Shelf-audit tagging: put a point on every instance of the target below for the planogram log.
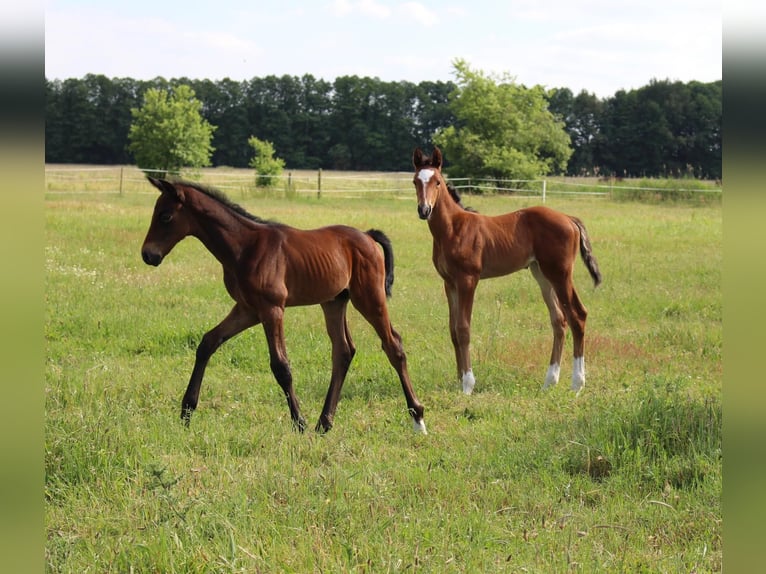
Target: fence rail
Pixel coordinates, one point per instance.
(130, 179)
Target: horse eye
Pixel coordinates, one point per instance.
(166, 217)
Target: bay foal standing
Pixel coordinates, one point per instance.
(268, 266)
(469, 246)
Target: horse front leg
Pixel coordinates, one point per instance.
(235, 322)
(273, 326)
(460, 300)
(343, 352)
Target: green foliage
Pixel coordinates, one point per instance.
(265, 164)
(169, 132)
(625, 477)
(665, 129)
(503, 129)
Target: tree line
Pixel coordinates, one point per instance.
(664, 129)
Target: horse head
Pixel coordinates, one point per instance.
(169, 222)
(428, 180)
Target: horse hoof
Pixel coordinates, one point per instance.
(469, 382)
(552, 376)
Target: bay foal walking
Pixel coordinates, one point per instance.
(268, 266)
(469, 246)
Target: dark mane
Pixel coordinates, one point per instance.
(221, 198)
(456, 197)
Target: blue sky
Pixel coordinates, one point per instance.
(599, 46)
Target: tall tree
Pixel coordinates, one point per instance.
(503, 129)
(168, 131)
(223, 105)
(581, 115)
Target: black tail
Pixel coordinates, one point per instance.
(388, 256)
(587, 253)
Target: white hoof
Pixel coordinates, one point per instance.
(419, 426)
(469, 382)
(552, 376)
(578, 374)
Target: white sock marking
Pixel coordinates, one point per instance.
(578, 374)
(552, 376)
(468, 382)
(419, 426)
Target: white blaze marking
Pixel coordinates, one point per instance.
(468, 382)
(578, 373)
(552, 376)
(425, 175)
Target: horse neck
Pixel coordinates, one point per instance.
(220, 229)
(444, 210)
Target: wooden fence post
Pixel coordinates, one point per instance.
(319, 183)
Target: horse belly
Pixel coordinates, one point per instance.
(504, 264)
(319, 281)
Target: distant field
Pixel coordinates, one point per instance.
(624, 478)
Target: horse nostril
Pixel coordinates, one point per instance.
(424, 211)
(151, 258)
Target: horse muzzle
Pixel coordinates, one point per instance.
(151, 257)
(424, 211)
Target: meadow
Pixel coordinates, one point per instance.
(625, 477)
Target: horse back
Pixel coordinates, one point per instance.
(313, 266)
(511, 241)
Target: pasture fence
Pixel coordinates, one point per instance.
(67, 179)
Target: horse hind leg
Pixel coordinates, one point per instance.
(558, 324)
(372, 305)
(576, 314)
(577, 317)
(343, 352)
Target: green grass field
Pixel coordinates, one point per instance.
(624, 478)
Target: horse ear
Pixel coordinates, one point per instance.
(436, 158)
(417, 158)
(166, 187)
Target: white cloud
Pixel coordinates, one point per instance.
(372, 8)
(341, 7)
(419, 13)
(365, 7)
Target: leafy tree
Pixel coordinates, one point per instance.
(663, 129)
(502, 129)
(265, 164)
(168, 132)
